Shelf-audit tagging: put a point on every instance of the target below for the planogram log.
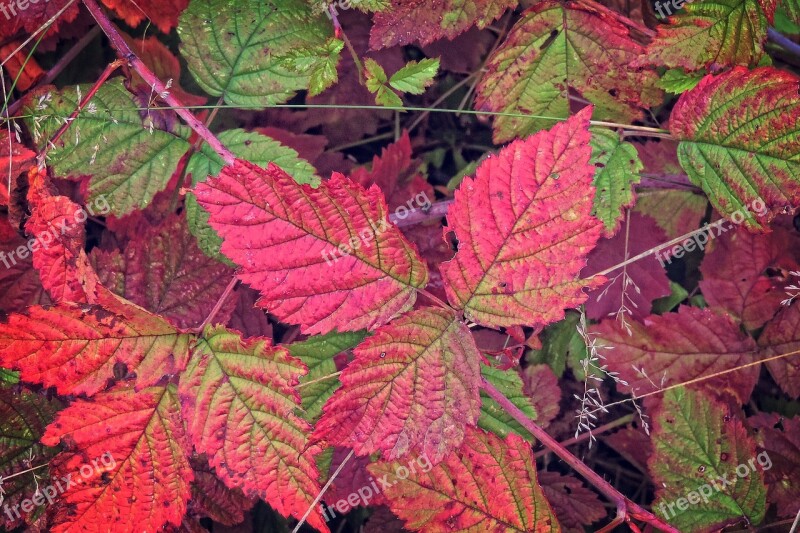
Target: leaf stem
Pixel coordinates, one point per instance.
(337, 28)
(625, 507)
(787, 44)
(596, 431)
(125, 52)
(322, 492)
(232, 285)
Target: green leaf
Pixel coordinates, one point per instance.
(317, 353)
(668, 303)
(415, 76)
(493, 417)
(787, 17)
(559, 340)
(386, 97)
(253, 147)
(130, 155)
(677, 81)
(618, 168)
(697, 443)
(9, 376)
(255, 52)
(376, 83)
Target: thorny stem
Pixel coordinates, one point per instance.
(625, 507)
(114, 65)
(125, 52)
(232, 285)
(337, 27)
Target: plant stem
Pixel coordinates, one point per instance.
(625, 507)
(596, 431)
(322, 492)
(787, 44)
(337, 27)
(437, 210)
(232, 285)
(124, 51)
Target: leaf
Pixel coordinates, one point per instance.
(424, 22)
(736, 273)
(298, 261)
(699, 445)
(318, 62)
(535, 193)
(676, 347)
(413, 386)
(493, 417)
(254, 147)
(141, 478)
(631, 290)
(617, 171)
(213, 499)
(541, 387)
(559, 47)
(675, 211)
(782, 335)
(739, 140)
(707, 34)
(489, 485)
(14, 160)
(109, 140)
(24, 416)
(164, 15)
(251, 53)
(20, 286)
(238, 400)
(35, 16)
(779, 437)
(76, 347)
(677, 81)
(318, 353)
(165, 272)
(574, 505)
(376, 83)
(415, 76)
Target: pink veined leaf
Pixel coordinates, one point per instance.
(541, 386)
(139, 475)
(676, 347)
(782, 335)
(630, 290)
(524, 230)
(489, 484)
(736, 272)
(238, 401)
(164, 271)
(574, 505)
(408, 21)
(77, 347)
(325, 258)
(414, 385)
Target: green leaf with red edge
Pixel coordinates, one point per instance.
(488, 485)
(676, 347)
(165, 272)
(708, 34)
(414, 385)
(779, 437)
(24, 415)
(238, 400)
(297, 260)
(736, 273)
(557, 47)
(75, 347)
(524, 229)
(408, 21)
(740, 140)
(782, 335)
(109, 140)
(618, 166)
(698, 442)
(141, 450)
(164, 15)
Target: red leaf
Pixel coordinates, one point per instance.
(290, 239)
(141, 479)
(782, 335)
(488, 485)
(35, 16)
(408, 21)
(630, 290)
(19, 282)
(239, 400)
(20, 67)
(14, 160)
(573, 504)
(631, 443)
(211, 498)
(75, 347)
(736, 273)
(412, 386)
(676, 347)
(164, 15)
(779, 437)
(541, 386)
(165, 272)
(247, 319)
(524, 230)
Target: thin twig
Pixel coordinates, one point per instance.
(125, 52)
(232, 285)
(437, 210)
(322, 493)
(337, 28)
(583, 436)
(625, 507)
(787, 44)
